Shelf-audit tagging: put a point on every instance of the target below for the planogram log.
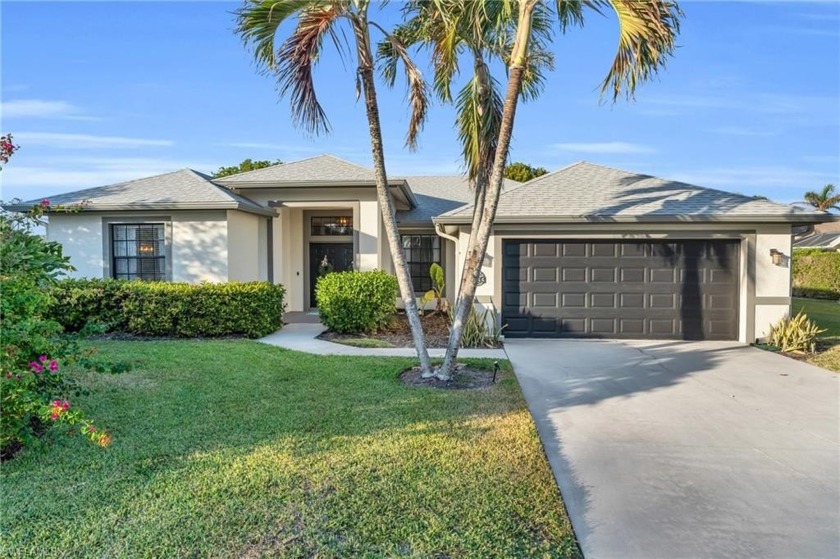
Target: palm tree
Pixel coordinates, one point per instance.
(647, 33)
(292, 63)
(825, 200)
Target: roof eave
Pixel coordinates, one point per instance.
(501, 220)
(267, 212)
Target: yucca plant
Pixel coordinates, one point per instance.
(795, 335)
(481, 328)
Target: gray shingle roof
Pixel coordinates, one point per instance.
(183, 189)
(818, 240)
(321, 168)
(437, 195)
(589, 192)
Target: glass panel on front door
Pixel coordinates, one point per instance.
(331, 226)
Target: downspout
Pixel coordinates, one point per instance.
(443, 234)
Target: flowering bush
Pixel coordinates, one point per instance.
(7, 148)
(34, 349)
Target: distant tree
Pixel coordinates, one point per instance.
(825, 200)
(246, 165)
(522, 172)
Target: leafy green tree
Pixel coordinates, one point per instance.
(825, 200)
(513, 32)
(292, 63)
(244, 167)
(522, 172)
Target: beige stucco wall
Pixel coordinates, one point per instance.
(81, 236)
(368, 235)
(199, 246)
(198, 242)
(247, 257)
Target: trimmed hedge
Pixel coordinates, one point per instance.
(252, 309)
(816, 274)
(353, 302)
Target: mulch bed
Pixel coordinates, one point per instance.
(465, 378)
(398, 332)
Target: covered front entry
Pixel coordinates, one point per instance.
(327, 257)
(621, 289)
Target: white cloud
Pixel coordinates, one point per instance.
(780, 178)
(796, 109)
(85, 141)
(39, 108)
(65, 174)
(742, 131)
(603, 147)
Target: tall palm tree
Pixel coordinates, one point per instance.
(647, 33)
(292, 64)
(479, 102)
(825, 200)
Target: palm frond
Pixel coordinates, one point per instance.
(417, 88)
(647, 37)
(479, 106)
(292, 63)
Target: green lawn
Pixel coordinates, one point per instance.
(362, 342)
(237, 449)
(827, 315)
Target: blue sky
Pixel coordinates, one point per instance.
(99, 92)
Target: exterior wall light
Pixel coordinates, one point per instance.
(776, 256)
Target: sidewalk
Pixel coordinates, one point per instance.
(303, 337)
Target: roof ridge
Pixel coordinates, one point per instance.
(517, 187)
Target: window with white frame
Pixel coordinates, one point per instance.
(138, 251)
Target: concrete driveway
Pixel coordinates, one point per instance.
(687, 449)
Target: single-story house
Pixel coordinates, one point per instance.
(586, 251)
(824, 236)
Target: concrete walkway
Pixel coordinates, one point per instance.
(687, 449)
(303, 337)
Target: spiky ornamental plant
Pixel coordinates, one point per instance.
(514, 30)
(796, 334)
(292, 62)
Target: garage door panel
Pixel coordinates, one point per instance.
(633, 275)
(674, 289)
(544, 274)
(573, 274)
(572, 300)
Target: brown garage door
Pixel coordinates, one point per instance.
(671, 290)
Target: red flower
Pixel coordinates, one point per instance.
(45, 203)
(53, 365)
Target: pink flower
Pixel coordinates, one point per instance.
(36, 367)
(58, 407)
(42, 359)
(53, 365)
(45, 203)
(8, 375)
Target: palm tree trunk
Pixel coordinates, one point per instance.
(383, 194)
(480, 238)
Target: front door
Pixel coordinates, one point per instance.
(327, 257)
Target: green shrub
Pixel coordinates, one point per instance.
(34, 383)
(816, 274)
(795, 335)
(353, 302)
(79, 302)
(252, 309)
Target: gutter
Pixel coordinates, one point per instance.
(441, 233)
(559, 220)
